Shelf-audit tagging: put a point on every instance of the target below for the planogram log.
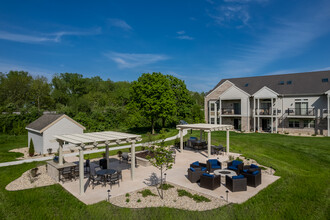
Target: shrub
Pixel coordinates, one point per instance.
(195, 197)
(127, 195)
(166, 186)
(139, 200)
(31, 149)
(147, 192)
(127, 200)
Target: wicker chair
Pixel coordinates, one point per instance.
(235, 165)
(210, 182)
(198, 165)
(236, 185)
(194, 174)
(212, 165)
(253, 180)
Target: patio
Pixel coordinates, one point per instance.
(177, 175)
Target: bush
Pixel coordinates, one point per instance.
(166, 186)
(195, 197)
(147, 192)
(31, 149)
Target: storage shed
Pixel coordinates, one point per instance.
(42, 131)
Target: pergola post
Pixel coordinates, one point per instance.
(227, 141)
(181, 140)
(81, 170)
(208, 143)
(60, 153)
(201, 135)
(132, 159)
(107, 154)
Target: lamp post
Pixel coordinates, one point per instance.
(108, 195)
(227, 194)
(165, 177)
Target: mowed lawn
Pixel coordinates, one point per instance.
(302, 192)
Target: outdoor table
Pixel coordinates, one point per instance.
(106, 172)
(224, 172)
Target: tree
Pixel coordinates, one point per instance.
(31, 149)
(40, 90)
(162, 159)
(153, 96)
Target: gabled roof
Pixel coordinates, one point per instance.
(301, 83)
(46, 121)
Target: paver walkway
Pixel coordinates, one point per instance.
(11, 163)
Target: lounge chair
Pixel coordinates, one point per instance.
(236, 183)
(254, 178)
(197, 164)
(194, 174)
(209, 181)
(213, 164)
(236, 165)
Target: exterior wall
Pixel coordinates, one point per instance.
(37, 141)
(64, 126)
(244, 123)
(214, 95)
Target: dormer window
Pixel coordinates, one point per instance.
(289, 82)
(325, 80)
(281, 83)
(246, 85)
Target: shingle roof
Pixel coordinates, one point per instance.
(43, 121)
(301, 83)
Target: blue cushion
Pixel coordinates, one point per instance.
(236, 162)
(193, 138)
(208, 175)
(216, 167)
(253, 166)
(192, 169)
(245, 171)
(213, 162)
(255, 172)
(196, 163)
(232, 168)
(203, 168)
(238, 177)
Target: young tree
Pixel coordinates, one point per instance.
(162, 159)
(31, 149)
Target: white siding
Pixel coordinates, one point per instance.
(37, 141)
(64, 126)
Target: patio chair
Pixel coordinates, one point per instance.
(253, 179)
(213, 164)
(125, 157)
(120, 175)
(113, 179)
(209, 181)
(103, 163)
(194, 174)
(251, 168)
(95, 179)
(218, 150)
(199, 165)
(75, 172)
(236, 183)
(236, 165)
(87, 166)
(65, 174)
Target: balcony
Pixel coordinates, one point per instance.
(301, 112)
(230, 111)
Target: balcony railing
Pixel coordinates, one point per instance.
(230, 111)
(301, 112)
(265, 111)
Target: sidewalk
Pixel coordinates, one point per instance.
(11, 163)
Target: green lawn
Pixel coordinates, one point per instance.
(302, 192)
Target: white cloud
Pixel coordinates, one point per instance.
(181, 32)
(130, 60)
(183, 36)
(231, 13)
(43, 37)
(245, 1)
(119, 23)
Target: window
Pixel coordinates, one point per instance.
(293, 123)
(281, 83)
(289, 82)
(212, 120)
(309, 123)
(325, 80)
(246, 85)
(212, 106)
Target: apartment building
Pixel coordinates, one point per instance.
(296, 103)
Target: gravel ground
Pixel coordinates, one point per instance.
(26, 181)
(171, 199)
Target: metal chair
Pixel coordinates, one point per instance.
(65, 174)
(113, 179)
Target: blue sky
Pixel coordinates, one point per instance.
(198, 41)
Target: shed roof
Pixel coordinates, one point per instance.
(46, 121)
(285, 84)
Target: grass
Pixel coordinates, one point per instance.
(302, 192)
(8, 142)
(195, 197)
(146, 192)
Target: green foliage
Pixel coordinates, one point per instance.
(195, 197)
(31, 148)
(146, 192)
(127, 195)
(166, 186)
(139, 200)
(127, 200)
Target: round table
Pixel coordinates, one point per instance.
(225, 172)
(106, 172)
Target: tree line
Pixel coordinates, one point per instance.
(153, 100)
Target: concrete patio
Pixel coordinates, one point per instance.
(177, 175)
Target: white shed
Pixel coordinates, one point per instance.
(42, 131)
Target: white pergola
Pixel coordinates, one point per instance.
(92, 140)
(207, 128)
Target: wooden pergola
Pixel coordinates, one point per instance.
(93, 140)
(207, 128)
